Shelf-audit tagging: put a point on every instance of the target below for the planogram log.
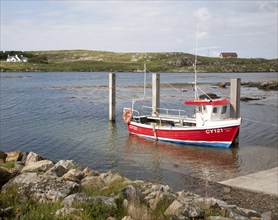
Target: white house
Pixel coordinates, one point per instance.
(17, 59)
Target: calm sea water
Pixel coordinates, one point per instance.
(65, 116)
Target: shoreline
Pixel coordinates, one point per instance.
(150, 196)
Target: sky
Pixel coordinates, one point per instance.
(248, 28)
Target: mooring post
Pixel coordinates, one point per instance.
(155, 93)
(235, 101)
(112, 97)
(235, 98)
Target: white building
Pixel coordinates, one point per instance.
(17, 59)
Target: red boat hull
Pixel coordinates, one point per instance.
(218, 137)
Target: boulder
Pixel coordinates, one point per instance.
(14, 156)
(32, 157)
(5, 176)
(109, 178)
(68, 164)
(42, 188)
(74, 175)
(186, 205)
(88, 172)
(3, 157)
(176, 208)
(130, 193)
(217, 218)
(70, 213)
(158, 198)
(222, 85)
(57, 170)
(127, 218)
(92, 182)
(104, 200)
(77, 198)
(18, 166)
(39, 166)
(7, 213)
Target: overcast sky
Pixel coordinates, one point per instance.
(246, 27)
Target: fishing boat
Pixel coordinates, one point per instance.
(209, 123)
(208, 126)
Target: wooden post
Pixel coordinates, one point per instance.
(235, 98)
(155, 93)
(112, 97)
(235, 102)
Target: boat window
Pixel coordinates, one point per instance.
(224, 109)
(214, 110)
(200, 108)
(204, 108)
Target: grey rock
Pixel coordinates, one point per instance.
(249, 213)
(7, 213)
(193, 211)
(42, 188)
(104, 200)
(3, 157)
(129, 192)
(237, 214)
(77, 198)
(109, 178)
(88, 172)
(5, 176)
(156, 198)
(32, 157)
(217, 218)
(73, 174)
(14, 156)
(39, 166)
(68, 164)
(71, 213)
(176, 208)
(92, 182)
(57, 170)
(127, 218)
(18, 166)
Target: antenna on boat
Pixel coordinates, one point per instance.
(195, 64)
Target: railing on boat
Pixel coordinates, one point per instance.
(167, 111)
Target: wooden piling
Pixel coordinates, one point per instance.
(235, 101)
(235, 98)
(155, 93)
(112, 97)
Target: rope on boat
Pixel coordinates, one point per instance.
(275, 125)
(174, 88)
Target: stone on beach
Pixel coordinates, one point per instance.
(45, 182)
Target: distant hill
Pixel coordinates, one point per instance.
(94, 61)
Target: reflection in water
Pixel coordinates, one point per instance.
(197, 161)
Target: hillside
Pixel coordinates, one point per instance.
(94, 61)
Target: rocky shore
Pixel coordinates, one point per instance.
(267, 85)
(33, 187)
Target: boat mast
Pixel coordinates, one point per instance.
(195, 65)
(145, 73)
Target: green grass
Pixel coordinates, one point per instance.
(8, 164)
(104, 61)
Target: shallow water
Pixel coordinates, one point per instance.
(65, 116)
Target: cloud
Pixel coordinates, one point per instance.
(203, 14)
(141, 26)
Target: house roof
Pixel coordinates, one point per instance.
(228, 54)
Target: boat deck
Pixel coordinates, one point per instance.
(168, 120)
